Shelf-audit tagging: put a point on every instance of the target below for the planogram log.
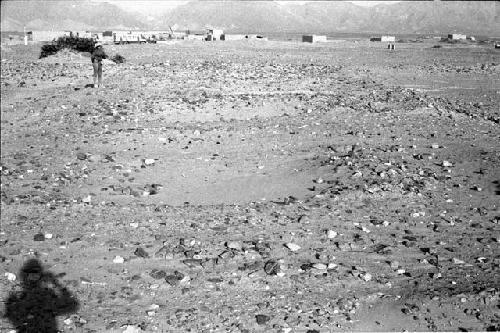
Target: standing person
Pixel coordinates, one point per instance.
(97, 55)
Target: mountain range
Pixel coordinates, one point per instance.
(434, 17)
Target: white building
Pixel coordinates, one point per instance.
(388, 38)
(45, 36)
(214, 34)
(313, 38)
(457, 37)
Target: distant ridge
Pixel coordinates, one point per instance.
(428, 17)
(66, 15)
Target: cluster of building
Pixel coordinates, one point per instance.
(128, 37)
(140, 37)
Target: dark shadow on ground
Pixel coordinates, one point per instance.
(41, 300)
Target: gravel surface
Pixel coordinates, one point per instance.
(252, 187)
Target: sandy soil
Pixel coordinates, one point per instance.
(256, 186)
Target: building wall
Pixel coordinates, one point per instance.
(215, 34)
(195, 37)
(457, 36)
(313, 38)
(45, 36)
(232, 37)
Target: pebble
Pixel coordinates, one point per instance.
(332, 265)
(262, 319)
(319, 181)
(319, 266)
(292, 247)
(234, 245)
(331, 234)
(140, 252)
(366, 276)
(39, 237)
(118, 260)
(132, 329)
(447, 164)
(271, 267)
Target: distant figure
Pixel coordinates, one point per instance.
(34, 309)
(97, 55)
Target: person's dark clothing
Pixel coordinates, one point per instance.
(98, 54)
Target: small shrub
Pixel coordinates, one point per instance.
(73, 43)
(118, 59)
(48, 49)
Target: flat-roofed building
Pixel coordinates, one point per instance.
(313, 38)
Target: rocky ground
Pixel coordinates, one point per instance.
(256, 186)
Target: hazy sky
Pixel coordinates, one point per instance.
(155, 6)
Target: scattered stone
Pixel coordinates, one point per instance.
(39, 237)
(331, 234)
(447, 164)
(234, 245)
(149, 161)
(365, 276)
(118, 260)
(292, 247)
(140, 252)
(262, 319)
(271, 267)
(319, 266)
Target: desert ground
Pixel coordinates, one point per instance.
(255, 186)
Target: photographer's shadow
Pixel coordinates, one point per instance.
(41, 300)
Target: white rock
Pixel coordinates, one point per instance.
(319, 266)
(367, 277)
(292, 247)
(119, 260)
(68, 321)
(11, 276)
(234, 245)
(447, 164)
(134, 225)
(48, 236)
(332, 265)
(132, 329)
(149, 161)
(331, 234)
